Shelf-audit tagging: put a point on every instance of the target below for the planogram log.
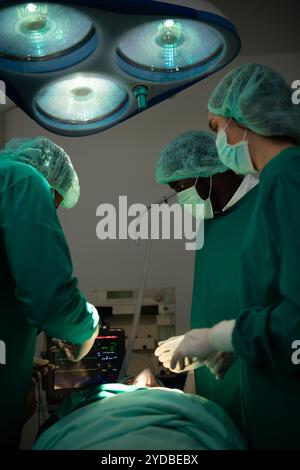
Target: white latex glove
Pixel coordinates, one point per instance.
(219, 363)
(195, 346)
(189, 365)
(198, 344)
(165, 351)
(166, 348)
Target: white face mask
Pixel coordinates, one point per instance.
(190, 196)
(236, 157)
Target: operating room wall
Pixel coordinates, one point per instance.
(121, 161)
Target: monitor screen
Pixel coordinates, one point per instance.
(101, 365)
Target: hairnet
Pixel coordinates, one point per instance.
(189, 155)
(258, 98)
(51, 161)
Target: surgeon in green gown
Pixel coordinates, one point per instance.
(37, 291)
(190, 165)
(258, 129)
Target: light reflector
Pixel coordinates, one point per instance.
(36, 31)
(170, 49)
(82, 100)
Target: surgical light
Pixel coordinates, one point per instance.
(32, 7)
(170, 50)
(82, 101)
(40, 31)
(79, 67)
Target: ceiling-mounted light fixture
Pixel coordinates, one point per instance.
(78, 67)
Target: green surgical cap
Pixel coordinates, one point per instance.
(190, 155)
(258, 98)
(51, 161)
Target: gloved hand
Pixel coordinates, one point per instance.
(189, 365)
(197, 345)
(166, 348)
(41, 368)
(165, 351)
(219, 363)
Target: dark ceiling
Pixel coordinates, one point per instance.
(266, 26)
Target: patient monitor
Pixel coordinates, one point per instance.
(101, 365)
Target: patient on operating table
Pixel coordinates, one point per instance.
(139, 414)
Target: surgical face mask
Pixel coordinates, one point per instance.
(191, 197)
(236, 157)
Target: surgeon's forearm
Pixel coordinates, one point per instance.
(267, 335)
(75, 321)
(81, 350)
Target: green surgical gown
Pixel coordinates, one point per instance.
(216, 295)
(269, 321)
(37, 290)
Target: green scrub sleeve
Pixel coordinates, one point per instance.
(40, 262)
(270, 320)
